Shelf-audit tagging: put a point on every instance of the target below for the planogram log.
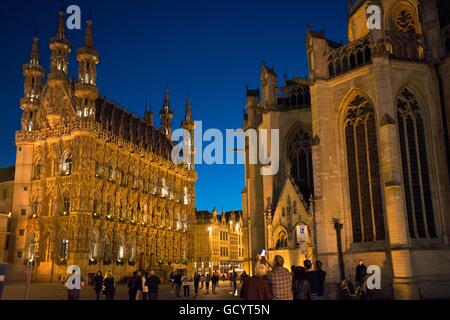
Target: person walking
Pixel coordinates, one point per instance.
(256, 288)
(153, 283)
(214, 282)
(223, 277)
(280, 279)
(134, 285)
(186, 286)
(144, 286)
(321, 275)
(97, 283)
(207, 280)
(74, 287)
(302, 288)
(177, 281)
(196, 283)
(235, 276)
(202, 281)
(109, 285)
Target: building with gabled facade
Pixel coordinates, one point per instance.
(364, 153)
(97, 183)
(220, 242)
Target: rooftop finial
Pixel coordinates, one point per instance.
(89, 37)
(34, 56)
(61, 27)
(188, 115)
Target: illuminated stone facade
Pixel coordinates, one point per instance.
(364, 153)
(97, 183)
(220, 242)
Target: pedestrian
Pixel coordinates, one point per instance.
(321, 275)
(360, 273)
(109, 286)
(302, 288)
(196, 283)
(177, 281)
(186, 287)
(134, 284)
(223, 277)
(244, 277)
(235, 276)
(207, 280)
(280, 279)
(144, 286)
(202, 280)
(214, 281)
(256, 288)
(153, 283)
(97, 283)
(172, 281)
(74, 286)
(311, 276)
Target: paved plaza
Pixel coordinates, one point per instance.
(56, 291)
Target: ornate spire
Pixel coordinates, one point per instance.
(89, 37)
(34, 56)
(188, 115)
(61, 27)
(166, 105)
(166, 114)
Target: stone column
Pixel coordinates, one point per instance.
(404, 285)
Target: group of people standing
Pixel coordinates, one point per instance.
(143, 286)
(274, 282)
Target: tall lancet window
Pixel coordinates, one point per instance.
(416, 178)
(364, 172)
(301, 162)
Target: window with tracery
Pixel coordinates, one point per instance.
(416, 178)
(67, 165)
(300, 159)
(282, 240)
(404, 22)
(364, 179)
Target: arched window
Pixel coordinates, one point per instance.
(404, 22)
(416, 179)
(66, 167)
(282, 240)
(107, 250)
(64, 249)
(364, 172)
(66, 205)
(300, 159)
(31, 249)
(95, 210)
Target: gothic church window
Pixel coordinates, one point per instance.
(67, 165)
(282, 240)
(404, 22)
(66, 205)
(300, 160)
(364, 179)
(64, 249)
(416, 179)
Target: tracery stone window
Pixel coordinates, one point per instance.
(107, 250)
(66, 205)
(416, 179)
(66, 167)
(64, 249)
(367, 212)
(300, 160)
(282, 240)
(404, 22)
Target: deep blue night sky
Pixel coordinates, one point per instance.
(214, 47)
